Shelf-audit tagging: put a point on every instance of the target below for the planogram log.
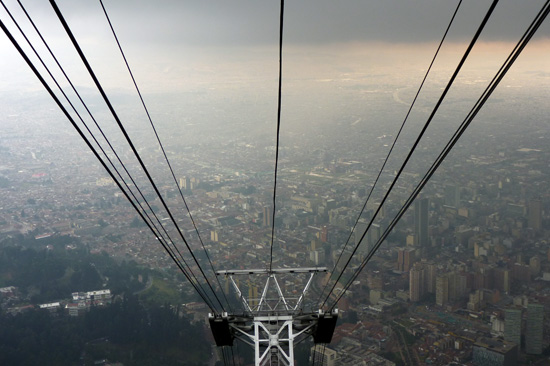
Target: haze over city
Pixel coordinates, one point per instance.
(208, 73)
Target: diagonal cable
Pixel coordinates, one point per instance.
(90, 146)
(392, 146)
(424, 128)
(130, 143)
(157, 231)
(539, 19)
(162, 149)
(281, 22)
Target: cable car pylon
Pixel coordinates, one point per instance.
(273, 323)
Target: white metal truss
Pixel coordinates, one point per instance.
(266, 304)
(273, 339)
(273, 323)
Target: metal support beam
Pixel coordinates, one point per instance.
(303, 295)
(276, 323)
(274, 270)
(240, 295)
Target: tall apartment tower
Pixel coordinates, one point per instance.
(373, 235)
(534, 265)
(452, 195)
(533, 330)
(267, 216)
(430, 276)
(442, 289)
(535, 214)
(421, 224)
(359, 231)
(416, 282)
(405, 259)
(185, 183)
(323, 234)
(512, 326)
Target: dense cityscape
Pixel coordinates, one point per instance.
(462, 278)
(118, 264)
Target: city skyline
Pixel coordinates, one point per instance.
(473, 245)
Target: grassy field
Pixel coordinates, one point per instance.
(161, 292)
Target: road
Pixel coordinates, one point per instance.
(147, 286)
(408, 359)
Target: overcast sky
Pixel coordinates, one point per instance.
(190, 37)
(307, 21)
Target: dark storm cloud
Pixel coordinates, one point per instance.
(313, 21)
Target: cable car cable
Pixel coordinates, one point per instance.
(424, 128)
(83, 136)
(281, 22)
(391, 148)
(539, 19)
(162, 148)
(129, 141)
(156, 232)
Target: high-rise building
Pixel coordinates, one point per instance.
(492, 352)
(533, 329)
(421, 224)
(375, 296)
(317, 257)
(411, 241)
(535, 214)
(477, 300)
(453, 288)
(452, 195)
(323, 234)
(373, 235)
(405, 259)
(185, 183)
(214, 236)
(315, 244)
(534, 265)
(450, 287)
(376, 281)
(400, 260)
(267, 215)
(461, 284)
(359, 231)
(370, 238)
(416, 282)
(442, 289)
(430, 275)
(502, 279)
(512, 326)
(195, 183)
